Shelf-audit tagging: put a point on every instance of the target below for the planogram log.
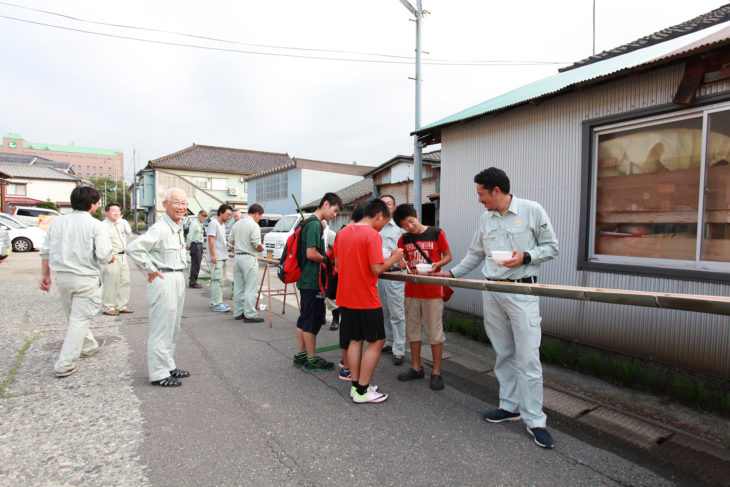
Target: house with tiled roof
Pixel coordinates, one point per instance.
(209, 175)
(87, 162)
(628, 151)
(307, 179)
(351, 196)
(31, 185)
(394, 177)
(33, 160)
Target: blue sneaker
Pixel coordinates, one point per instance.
(222, 308)
(542, 437)
(500, 415)
(345, 374)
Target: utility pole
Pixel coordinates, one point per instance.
(417, 12)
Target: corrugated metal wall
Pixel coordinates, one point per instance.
(540, 149)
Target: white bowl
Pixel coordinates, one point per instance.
(423, 268)
(386, 253)
(500, 256)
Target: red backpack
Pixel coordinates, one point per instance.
(290, 262)
(327, 275)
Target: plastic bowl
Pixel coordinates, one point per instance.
(500, 256)
(423, 268)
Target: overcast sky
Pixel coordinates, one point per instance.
(62, 86)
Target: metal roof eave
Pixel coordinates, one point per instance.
(558, 84)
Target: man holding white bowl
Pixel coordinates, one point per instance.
(513, 238)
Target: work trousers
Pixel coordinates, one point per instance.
(392, 298)
(166, 297)
(512, 323)
(217, 279)
(115, 284)
(196, 256)
(81, 301)
(245, 280)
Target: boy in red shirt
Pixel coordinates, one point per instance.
(359, 261)
(424, 302)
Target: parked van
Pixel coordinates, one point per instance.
(275, 240)
(29, 214)
(4, 243)
(268, 222)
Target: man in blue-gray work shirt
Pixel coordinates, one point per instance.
(512, 321)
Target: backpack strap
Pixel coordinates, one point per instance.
(411, 241)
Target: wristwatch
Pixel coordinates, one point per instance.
(527, 258)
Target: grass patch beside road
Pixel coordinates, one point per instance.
(16, 365)
(683, 387)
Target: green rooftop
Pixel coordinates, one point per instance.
(64, 148)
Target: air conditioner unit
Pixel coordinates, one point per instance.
(233, 191)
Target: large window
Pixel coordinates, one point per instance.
(273, 187)
(17, 190)
(661, 191)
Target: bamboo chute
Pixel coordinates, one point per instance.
(688, 302)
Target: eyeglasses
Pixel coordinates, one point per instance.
(181, 204)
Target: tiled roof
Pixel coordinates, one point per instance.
(333, 167)
(26, 171)
(700, 22)
(348, 194)
(30, 159)
(222, 159)
(433, 158)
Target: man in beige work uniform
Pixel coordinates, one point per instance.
(246, 240)
(160, 253)
(115, 276)
(75, 246)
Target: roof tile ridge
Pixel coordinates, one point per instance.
(243, 150)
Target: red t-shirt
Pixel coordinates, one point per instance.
(356, 249)
(433, 243)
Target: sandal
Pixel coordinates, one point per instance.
(179, 373)
(126, 310)
(111, 312)
(167, 382)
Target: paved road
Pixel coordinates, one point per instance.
(246, 416)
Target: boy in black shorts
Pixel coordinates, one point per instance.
(359, 260)
(312, 301)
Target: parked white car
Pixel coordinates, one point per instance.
(29, 214)
(22, 237)
(4, 243)
(275, 240)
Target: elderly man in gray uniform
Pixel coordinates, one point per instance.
(74, 247)
(512, 321)
(392, 293)
(160, 253)
(246, 240)
(115, 276)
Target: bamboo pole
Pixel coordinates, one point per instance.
(688, 302)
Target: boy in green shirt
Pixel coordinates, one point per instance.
(312, 253)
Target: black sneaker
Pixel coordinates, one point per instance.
(500, 415)
(317, 363)
(253, 320)
(398, 360)
(299, 360)
(387, 349)
(542, 437)
(411, 374)
(437, 382)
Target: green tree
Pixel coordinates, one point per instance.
(49, 205)
(112, 190)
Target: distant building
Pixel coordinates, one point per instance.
(305, 178)
(210, 176)
(31, 185)
(87, 162)
(395, 177)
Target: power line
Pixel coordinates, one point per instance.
(406, 59)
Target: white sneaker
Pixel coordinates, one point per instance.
(369, 396)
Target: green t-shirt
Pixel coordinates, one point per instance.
(311, 236)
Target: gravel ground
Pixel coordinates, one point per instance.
(81, 430)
